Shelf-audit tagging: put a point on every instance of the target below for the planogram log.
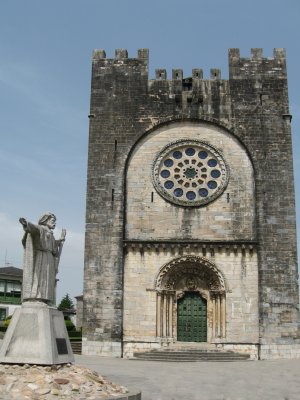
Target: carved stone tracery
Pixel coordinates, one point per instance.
(189, 173)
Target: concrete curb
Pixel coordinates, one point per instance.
(129, 396)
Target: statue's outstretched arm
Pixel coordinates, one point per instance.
(23, 222)
(28, 226)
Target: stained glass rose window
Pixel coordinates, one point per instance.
(190, 173)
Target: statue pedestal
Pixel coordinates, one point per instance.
(36, 335)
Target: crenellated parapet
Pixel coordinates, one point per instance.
(194, 88)
(239, 67)
(126, 78)
(120, 54)
(193, 92)
(121, 58)
(257, 66)
(263, 79)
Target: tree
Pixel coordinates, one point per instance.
(66, 303)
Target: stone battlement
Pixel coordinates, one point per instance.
(257, 67)
(120, 54)
(240, 67)
(256, 54)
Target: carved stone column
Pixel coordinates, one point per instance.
(223, 315)
(218, 315)
(213, 299)
(170, 330)
(164, 314)
(158, 315)
(164, 311)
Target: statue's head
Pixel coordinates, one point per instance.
(48, 219)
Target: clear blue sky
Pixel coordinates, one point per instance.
(45, 68)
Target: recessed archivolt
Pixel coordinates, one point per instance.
(183, 270)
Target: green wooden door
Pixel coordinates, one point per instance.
(192, 318)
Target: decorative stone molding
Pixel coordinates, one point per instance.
(199, 269)
(191, 245)
(160, 122)
(189, 173)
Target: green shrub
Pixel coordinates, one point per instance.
(76, 335)
(69, 325)
(7, 321)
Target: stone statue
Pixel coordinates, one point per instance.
(41, 258)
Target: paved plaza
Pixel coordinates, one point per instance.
(248, 380)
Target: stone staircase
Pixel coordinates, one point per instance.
(186, 353)
(76, 347)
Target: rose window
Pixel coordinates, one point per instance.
(190, 173)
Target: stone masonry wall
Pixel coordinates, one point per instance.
(239, 269)
(253, 106)
(230, 217)
(258, 88)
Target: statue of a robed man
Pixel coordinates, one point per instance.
(41, 258)
(37, 332)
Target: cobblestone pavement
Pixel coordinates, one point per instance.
(248, 380)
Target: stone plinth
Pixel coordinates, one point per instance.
(36, 335)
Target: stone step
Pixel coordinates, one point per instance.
(192, 356)
(193, 351)
(206, 355)
(76, 347)
(178, 360)
(191, 345)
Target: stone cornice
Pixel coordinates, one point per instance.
(204, 245)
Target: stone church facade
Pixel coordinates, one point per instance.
(190, 222)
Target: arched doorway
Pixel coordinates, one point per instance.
(191, 318)
(191, 301)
